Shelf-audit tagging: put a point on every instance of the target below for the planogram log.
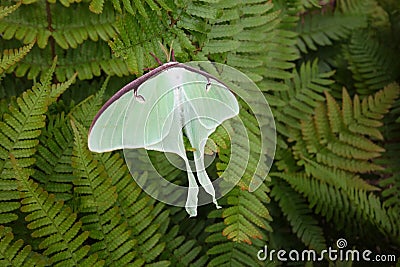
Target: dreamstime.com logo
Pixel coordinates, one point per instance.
(339, 254)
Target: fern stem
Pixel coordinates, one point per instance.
(50, 27)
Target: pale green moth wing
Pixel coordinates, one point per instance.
(152, 112)
(205, 110)
(106, 133)
(199, 106)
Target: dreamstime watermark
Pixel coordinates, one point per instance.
(331, 254)
(196, 98)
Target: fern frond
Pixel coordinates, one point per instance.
(358, 7)
(19, 133)
(390, 177)
(183, 252)
(201, 10)
(53, 158)
(339, 138)
(298, 102)
(66, 34)
(87, 109)
(133, 8)
(322, 29)
(218, 139)
(81, 29)
(6, 10)
(96, 6)
(334, 145)
(140, 217)
(371, 63)
(153, 221)
(124, 45)
(136, 7)
(11, 57)
(391, 192)
(337, 177)
(146, 220)
(88, 60)
(13, 254)
(245, 215)
(139, 36)
(65, 3)
(297, 212)
(349, 209)
(57, 226)
(64, 29)
(225, 252)
(245, 37)
(96, 198)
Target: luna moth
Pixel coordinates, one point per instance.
(155, 110)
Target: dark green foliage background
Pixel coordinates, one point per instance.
(329, 70)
